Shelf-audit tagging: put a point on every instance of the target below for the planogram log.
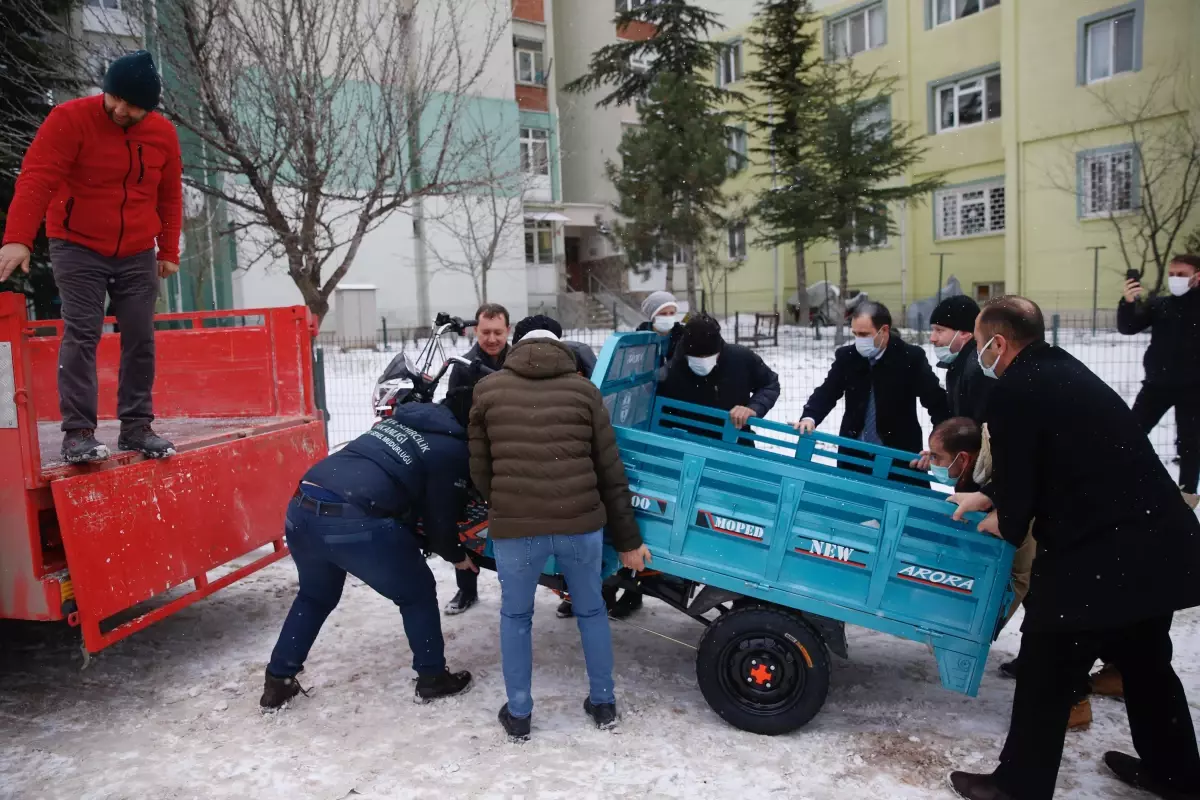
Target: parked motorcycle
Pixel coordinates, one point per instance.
(407, 380)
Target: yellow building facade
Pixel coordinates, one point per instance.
(1024, 106)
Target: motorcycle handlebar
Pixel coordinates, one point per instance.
(456, 324)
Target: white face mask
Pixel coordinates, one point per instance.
(866, 346)
(944, 353)
(989, 371)
(664, 324)
(702, 365)
(1179, 285)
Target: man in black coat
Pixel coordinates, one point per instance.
(952, 334)
(1118, 552)
(882, 378)
(1172, 361)
(492, 326)
(708, 371)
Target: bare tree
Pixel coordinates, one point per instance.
(713, 262)
(1164, 166)
(315, 121)
(481, 224)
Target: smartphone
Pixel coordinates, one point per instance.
(1133, 275)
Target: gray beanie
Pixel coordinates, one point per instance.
(654, 303)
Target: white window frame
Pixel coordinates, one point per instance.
(736, 242)
(737, 142)
(955, 14)
(995, 289)
(537, 66)
(994, 213)
(1110, 24)
(534, 228)
(962, 87)
(1088, 209)
(642, 62)
(878, 234)
(839, 44)
(730, 69)
(533, 162)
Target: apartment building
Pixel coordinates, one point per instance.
(1015, 99)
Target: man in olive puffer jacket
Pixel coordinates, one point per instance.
(544, 455)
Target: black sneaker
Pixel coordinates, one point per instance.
(1128, 769)
(629, 602)
(277, 691)
(144, 440)
(565, 609)
(977, 787)
(1009, 670)
(604, 714)
(82, 447)
(517, 728)
(447, 684)
(460, 603)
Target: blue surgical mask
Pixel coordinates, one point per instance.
(944, 354)
(866, 346)
(943, 473)
(989, 371)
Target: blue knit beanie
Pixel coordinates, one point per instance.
(134, 79)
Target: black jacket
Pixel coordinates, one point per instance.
(1116, 544)
(967, 388)
(741, 378)
(466, 377)
(413, 465)
(1173, 358)
(900, 378)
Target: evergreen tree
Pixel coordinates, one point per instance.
(789, 211)
(672, 166)
(863, 157)
(37, 66)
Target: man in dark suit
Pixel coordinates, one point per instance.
(882, 378)
(1118, 552)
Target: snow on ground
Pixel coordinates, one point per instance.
(172, 714)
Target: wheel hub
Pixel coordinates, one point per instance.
(763, 674)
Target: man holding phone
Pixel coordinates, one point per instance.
(1172, 361)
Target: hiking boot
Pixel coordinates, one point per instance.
(1081, 716)
(81, 447)
(445, 684)
(277, 691)
(565, 609)
(142, 439)
(1128, 769)
(977, 787)
(1009, 670)
(517, 728)
(1107, 682)
(630, 601)
(603, 714)
(460, 603)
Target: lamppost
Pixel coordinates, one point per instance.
(941, 271)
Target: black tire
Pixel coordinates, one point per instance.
(764, 670)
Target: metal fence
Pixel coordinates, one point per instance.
(801, 358)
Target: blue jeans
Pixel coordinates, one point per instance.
(382, 553)
(519, 562)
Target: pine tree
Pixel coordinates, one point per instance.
(38, 66)
(789, 210)
(673, 165)
(863, 156)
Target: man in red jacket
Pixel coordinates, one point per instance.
(105, 173)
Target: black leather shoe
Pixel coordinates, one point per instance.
(144, 440)
(1128, 769)
(460, 603)
(977, 787)
(517, 728)
(603, 714)
(277, 691)
(82, 447)
(446, 684)
(1009, 670)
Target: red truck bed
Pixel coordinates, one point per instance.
(84, 543)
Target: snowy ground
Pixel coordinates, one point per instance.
(172, 713)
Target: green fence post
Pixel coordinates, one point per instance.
(319, 388)
(385, 341)
(1054, 330)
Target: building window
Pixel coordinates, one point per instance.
(966, 211)
(968, 102)
(944, 11)
(735, 141)
(730, 69)
(1110, 47)
(850, 34)
(1107, 182)
(875, 121)
(103, 3)
(539, 242)
(737, 241)
(986, 291)
(872, 233)
(529, 66)
(643, 61)
(681, 256)
(633, 5)
(535, 151)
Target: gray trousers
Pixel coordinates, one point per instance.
(84, 277)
